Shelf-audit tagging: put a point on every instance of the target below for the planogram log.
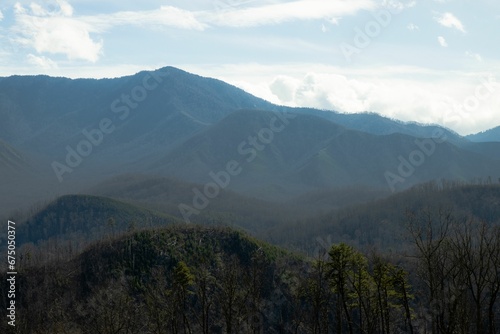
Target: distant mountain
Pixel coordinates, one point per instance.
(165, 195)
(53, 120)
(156, 108)
(252, 214)
(383, 223)
(83, 218)
(179, 125)
(380, 125)
(492, 135)
(312, 153)
(148, 113)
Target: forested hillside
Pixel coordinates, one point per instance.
(216, 280)
(422, 261)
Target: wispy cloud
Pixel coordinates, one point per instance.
(397, 5)
(55, 32)
(442, 41)
(285, 12)
(475, 56)
(228, 4)
(42, 62)
(166, 16)
(334, 21)
(412, 27)
(1, 15)
(450, 21)
(60, 32)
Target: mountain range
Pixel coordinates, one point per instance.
(102, 178)
(60, 136)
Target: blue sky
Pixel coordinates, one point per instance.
(431, 61)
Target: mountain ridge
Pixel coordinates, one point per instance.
(173, 123)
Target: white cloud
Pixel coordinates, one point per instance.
(284, 88)
(62, 8)
(397, 6)
(42, 62)
(166, 16)
(334, 20)
(475, 56)
(450, 21)
(442, 41)
(37, 10)
(19, 9)
(1, 16)
(228, 4)
(402, 92)
(58, 35)
(55, 32)
(285, 12)
(412, 27)
(60, 32)
(65, 8)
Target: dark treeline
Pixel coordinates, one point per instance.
(457, 273)
(217, 280)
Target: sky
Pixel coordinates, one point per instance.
(429, 61)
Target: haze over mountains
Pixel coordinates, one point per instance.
(65, 135)
(101, 178)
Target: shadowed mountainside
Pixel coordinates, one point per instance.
(171, 123)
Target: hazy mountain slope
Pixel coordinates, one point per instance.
(310, 153)
(176, 124)
(46, 114)
(49, 113)
(383, 223)
(252, 214)
(491, 135)
(487, 148)
(165, 195)
(231, 140)
(380, 125)
(12, 162)
(356, 158)
(82, 218)
(22, 181)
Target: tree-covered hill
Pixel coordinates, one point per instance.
(175, 279)
(192, 279)
(80, 218)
